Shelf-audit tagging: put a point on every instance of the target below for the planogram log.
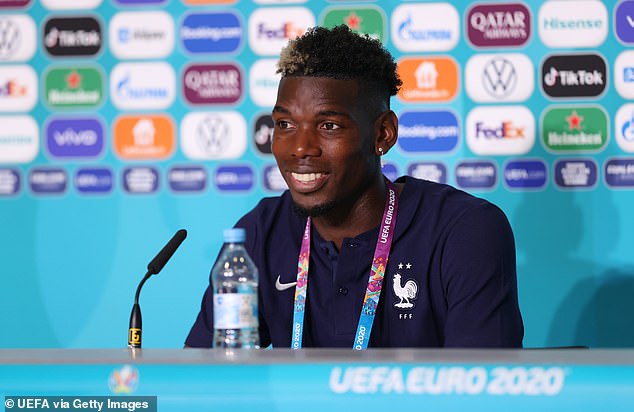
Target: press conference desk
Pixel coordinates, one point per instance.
(328, 380)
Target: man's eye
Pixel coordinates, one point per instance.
(330, 126)
(282, 124)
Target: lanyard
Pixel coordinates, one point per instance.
(375, 283)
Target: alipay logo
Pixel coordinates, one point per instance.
(141, 35)
(17, 38)
(211, 32)
(142, 85)
(271, 28)
(577, 23)
(213, 135)
(575, 173)
(425, 27)
(428, 131)
(499, 77)
(500, 130)
(624, 74)
(234, 178)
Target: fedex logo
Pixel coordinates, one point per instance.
(271, 28)
(285, 31)
(505, 130)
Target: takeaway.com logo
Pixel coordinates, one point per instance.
(271, 29)
(429, 79)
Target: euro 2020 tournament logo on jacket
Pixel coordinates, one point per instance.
(17, 38)
(210, 32)
(499, 25)
(574, 75)
(428, 131)
(79, 137)
(72, 36)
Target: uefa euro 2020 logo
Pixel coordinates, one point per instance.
(124, 380)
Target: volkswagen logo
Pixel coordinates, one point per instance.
(499, 77)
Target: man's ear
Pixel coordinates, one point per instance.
(386, 127)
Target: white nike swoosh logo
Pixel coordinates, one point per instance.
(283, 286)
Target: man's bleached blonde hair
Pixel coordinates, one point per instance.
(339, 53)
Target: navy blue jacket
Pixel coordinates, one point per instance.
(457, 249)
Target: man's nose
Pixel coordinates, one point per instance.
(306, 143)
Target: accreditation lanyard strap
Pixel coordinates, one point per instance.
(375, 282)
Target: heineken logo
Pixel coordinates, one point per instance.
(73, 87)
(575, 129)
(365, 20)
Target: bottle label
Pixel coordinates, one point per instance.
(235, 310)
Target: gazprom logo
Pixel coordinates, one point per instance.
(428, 131)
(143, 85)
(234, 178)
(525, 174)
(425, 27)
(78, 137)
(211, 32)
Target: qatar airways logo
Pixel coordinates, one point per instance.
(499, 25)
(270, 29)
(212, 84)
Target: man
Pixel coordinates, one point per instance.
(450, 276)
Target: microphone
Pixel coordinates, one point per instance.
(153, 268)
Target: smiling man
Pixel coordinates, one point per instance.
(405, 264)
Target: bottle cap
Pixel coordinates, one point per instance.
(235, 235)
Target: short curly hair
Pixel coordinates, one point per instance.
(340, 53)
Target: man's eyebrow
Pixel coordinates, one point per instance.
(333, 113)
(280, 109)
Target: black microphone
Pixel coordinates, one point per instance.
(153, 268)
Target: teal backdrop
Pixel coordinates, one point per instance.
(70, 262)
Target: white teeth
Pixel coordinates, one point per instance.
(306, 177)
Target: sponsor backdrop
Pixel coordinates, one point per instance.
(122, 121)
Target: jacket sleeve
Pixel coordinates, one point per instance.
(480, 281)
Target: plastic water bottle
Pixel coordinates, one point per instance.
(235, 284)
